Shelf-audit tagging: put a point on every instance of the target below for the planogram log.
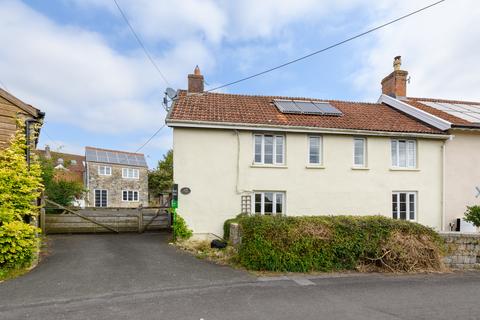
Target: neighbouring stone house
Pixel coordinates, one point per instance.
(11, 109)
(115, 178)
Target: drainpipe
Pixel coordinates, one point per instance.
(444, 192)
(237, 176)
(27, 140)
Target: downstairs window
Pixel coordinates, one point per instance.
(269, 202)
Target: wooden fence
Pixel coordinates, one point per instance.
(99, 220)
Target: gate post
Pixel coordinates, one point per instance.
(140, 220)
(42, 215)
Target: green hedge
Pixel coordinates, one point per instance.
(18, 244)
(329, 243)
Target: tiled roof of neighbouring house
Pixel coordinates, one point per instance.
(238, 109)
(115, 157)
(459, 113)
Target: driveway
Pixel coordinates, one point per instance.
(140, 276)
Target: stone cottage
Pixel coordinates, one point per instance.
(115, 178)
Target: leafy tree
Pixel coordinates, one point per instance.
(473, 215)
(161, 179)
(20, 186)
(56, 189)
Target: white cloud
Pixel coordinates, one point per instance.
(438, 48)
(78, 79)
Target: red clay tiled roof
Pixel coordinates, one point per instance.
(417, 103)
(260, 110)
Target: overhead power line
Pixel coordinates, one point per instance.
(304, 57)
(150, 139)
(326, 48)
(122, 13)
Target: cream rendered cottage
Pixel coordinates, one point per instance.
(301, 156)
(461, 153)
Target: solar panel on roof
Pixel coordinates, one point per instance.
(327, 108)
(115, 157)
(306, 107)
(462, 111)
(286, 106)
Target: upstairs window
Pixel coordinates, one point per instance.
(359, 152)
(404, 153)
(404, 205)
(269, 149)
(130, 195)
(269, 202)
(315, 150)
(104, 170)
(130, 173)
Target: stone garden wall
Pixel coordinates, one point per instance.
(463, 250)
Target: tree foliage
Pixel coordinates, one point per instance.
(58, 190)
(19, 186)
(473, 215)
(161, 179)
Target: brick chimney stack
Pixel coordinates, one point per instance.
(395, 84)
(195, 81)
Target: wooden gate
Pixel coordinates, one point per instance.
(99, 220)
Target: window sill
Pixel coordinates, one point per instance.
(275, 166)
(360, 168)
(404, 169)
(313, 166)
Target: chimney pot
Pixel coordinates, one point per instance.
(395, 84)
(195, 81)
(48, 155)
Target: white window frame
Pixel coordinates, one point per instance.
(409, 162)
(364, 155)
(104, 173)
(262, 151)
(101, 198)
(320, 150)
(407, 200)
(274, 202)
(134, 192)
(126, 173)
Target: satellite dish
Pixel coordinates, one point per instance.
(171, 93)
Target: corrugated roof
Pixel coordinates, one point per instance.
(260, 110)
(115, 157)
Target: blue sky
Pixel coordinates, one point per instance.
(77, 60)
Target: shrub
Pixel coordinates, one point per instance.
(473, 215)
(180, 228)
(329, 243)
(18, 244)
(20, 186)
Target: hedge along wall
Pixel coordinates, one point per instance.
(321, 243)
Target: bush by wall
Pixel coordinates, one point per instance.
(180, 228)
(18, 244)
(329, 243)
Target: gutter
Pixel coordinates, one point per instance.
(300, 129)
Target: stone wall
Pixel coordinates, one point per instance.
(463, 250)
(115, 184)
